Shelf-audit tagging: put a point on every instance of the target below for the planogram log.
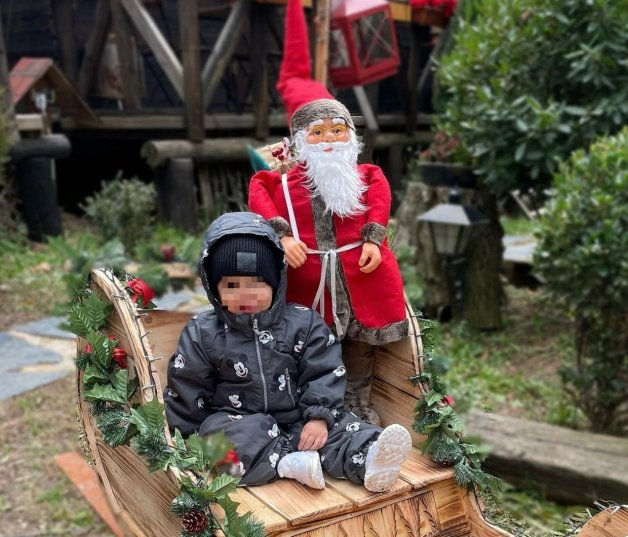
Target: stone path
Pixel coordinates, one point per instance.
(39, 352)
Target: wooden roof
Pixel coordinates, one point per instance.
(39, 73)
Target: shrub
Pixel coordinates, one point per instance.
(582, 257)
(526, 82)
(123, 209)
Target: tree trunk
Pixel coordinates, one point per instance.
(483, 294)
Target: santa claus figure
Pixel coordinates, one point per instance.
(331, 215)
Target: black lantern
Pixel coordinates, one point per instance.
(450, 226)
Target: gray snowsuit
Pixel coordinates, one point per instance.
(260, 377)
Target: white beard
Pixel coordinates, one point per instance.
(334, 175)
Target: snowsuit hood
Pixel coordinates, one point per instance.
(244, 223)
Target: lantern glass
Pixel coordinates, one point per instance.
(338, 50)
(450, 240)
(372, 35)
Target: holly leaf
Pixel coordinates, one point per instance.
(220, 488)
(93, 375)
(209, 450)
(104, 392)
(433, 397)
(102, 350)
(149, 416)
(88, 315)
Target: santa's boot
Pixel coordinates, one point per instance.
(358, 358)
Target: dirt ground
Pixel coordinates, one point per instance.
(36, 499)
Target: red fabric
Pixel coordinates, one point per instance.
(295, 77)
(448, 6)
(377, 298)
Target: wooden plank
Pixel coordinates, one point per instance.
(394, 364)
(165, 329)
(273, 521)
(223, 49)
(259, 70)
(128, 69)
(421, 471)
(85, 479)
(29, 122)
(321, 48)
(64, 27)
(612, 522)
(192, 86)
(449, 507)
(362, 497)
(394, 406)
(145, 497)
(94, 47)
(157, 43)
(301, 504)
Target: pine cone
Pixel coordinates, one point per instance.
(195, 521)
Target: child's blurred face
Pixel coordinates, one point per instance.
(244, 294)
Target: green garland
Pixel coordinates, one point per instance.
(108, 389)
(436, 419)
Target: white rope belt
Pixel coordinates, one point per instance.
(329, 259)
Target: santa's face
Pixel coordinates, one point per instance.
(327, 131)
(329, 151)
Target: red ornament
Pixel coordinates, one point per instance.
(141, 289)
(195, 521)
(167, 252)
(448, 400)
(88, 348)
(119, 355)
(230, 458)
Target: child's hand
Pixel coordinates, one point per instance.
(313, 435)
(370, 251)
(296, 252)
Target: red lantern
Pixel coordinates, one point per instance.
(362, 42)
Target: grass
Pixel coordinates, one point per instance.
(518, 226)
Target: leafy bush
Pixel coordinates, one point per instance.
(528, 81)
(582, 256)
(123, 209)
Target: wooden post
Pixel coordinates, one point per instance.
(176, 193)
(192, 86)
(223, 49)
(259, 70)
(322, 40)
(128, 69)
(369, 137)
(94, 47)
(419, 41)
(65, 34)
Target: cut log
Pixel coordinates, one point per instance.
(158, 152)
(176, 194)
(571, 466)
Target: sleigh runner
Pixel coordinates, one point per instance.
(425, 501)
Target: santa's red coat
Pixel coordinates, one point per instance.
(377, 297)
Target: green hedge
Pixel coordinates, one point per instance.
(583, 258)
(526, 82)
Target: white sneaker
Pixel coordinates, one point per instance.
(304, 466)
(385, 457)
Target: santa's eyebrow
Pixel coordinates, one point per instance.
(339, 121)
(315, 123)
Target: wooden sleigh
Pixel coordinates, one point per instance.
(425, 501)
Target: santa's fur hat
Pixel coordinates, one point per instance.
(305, 100)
